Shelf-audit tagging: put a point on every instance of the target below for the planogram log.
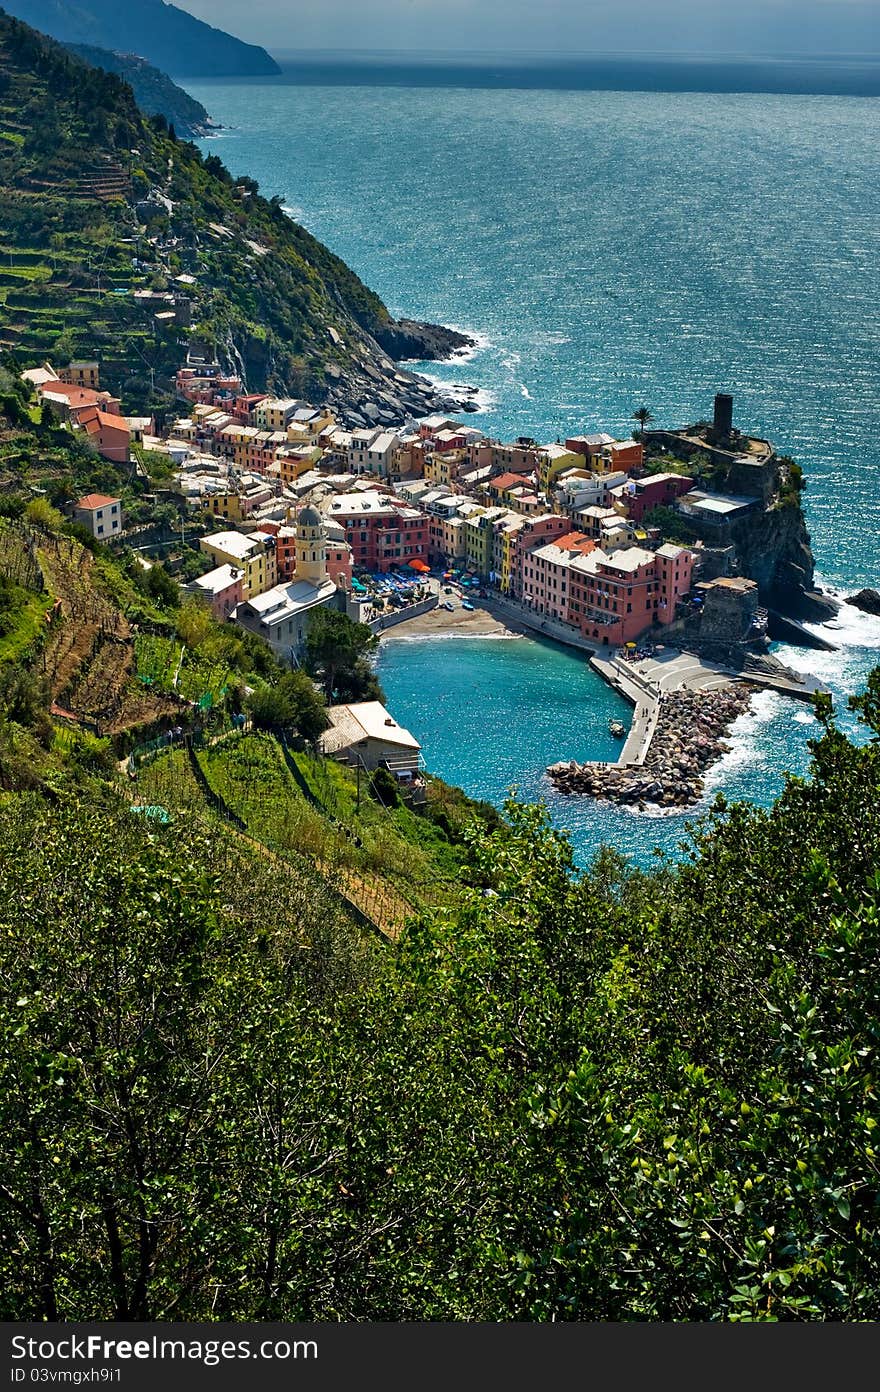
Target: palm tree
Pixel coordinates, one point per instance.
(643, 416)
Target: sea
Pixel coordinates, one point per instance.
(650, 236)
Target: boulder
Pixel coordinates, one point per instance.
(867, 600)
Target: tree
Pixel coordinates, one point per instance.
(336, 651)
(194, 622)
(292, 703)
(643, 416)
(41, 513)
(159, 585)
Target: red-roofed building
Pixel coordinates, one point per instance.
(108, 434)
(100, 513)
(657, 490)
(67, 399)
(503, 483)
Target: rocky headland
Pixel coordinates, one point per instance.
(404, 339)
(688, 739)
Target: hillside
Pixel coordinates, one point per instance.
(170, 38)
(101, 207)
(154, 92)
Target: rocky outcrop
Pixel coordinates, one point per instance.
(687, 740)
(866, 600)
(406, 339)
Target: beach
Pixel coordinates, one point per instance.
(458, 623)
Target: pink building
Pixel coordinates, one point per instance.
(546, 575)
(533, 532)
(616, 598)
(657, 490)
(220, 588)
(381, 531)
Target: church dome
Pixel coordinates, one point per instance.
(310, 517)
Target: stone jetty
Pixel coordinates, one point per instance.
(688, 738)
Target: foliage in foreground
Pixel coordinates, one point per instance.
(630, 1097)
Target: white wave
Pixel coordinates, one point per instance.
(482, 341)
(803, 717)
(483, 397)
(524, 391)
(392, 636)
(292, 212)
(743, 737)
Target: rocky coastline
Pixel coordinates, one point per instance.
(688, 739)
(375, 390)
(404, 339)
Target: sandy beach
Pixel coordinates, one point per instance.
(459, 623)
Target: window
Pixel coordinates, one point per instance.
(100, 529)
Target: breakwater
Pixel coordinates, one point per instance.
(687, 738)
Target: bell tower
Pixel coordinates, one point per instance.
(311, 547)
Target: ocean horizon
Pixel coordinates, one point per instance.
(855, 75)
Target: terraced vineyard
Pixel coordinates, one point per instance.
(85, 647)
(247, 779)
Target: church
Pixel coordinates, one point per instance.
(282, 614)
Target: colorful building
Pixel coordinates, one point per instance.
(381, 530)
(254, 555)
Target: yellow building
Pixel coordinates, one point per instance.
(254, 555)
(509, 534)
(226, 505)
(295, 461)
(479, 536)
(552, 460)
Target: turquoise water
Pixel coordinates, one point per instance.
(609, 249)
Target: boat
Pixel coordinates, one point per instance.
(449, 605)
(616, 728)
(466, 604)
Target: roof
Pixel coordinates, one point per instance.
(91, 501)
(363, 720)
(73, 394)
(310, 517)
(231, 544)
(284, 601)
(39, 376)
(93, 420)
(670, 551)
(218, 580)
(505, 481)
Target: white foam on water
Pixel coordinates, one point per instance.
(746, 750)
(482, 341)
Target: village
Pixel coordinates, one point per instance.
(614, 546)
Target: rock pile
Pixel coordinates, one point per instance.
(688, 738)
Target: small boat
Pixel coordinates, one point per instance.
(616, 728)
(449, 605)
(466, 604)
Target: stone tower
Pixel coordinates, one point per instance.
(311, 547)
(722, 422)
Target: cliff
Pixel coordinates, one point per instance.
(773, 548)
(166, 36)
(154, 92)
(103, 212)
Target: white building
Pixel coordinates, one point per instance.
(365, 734)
